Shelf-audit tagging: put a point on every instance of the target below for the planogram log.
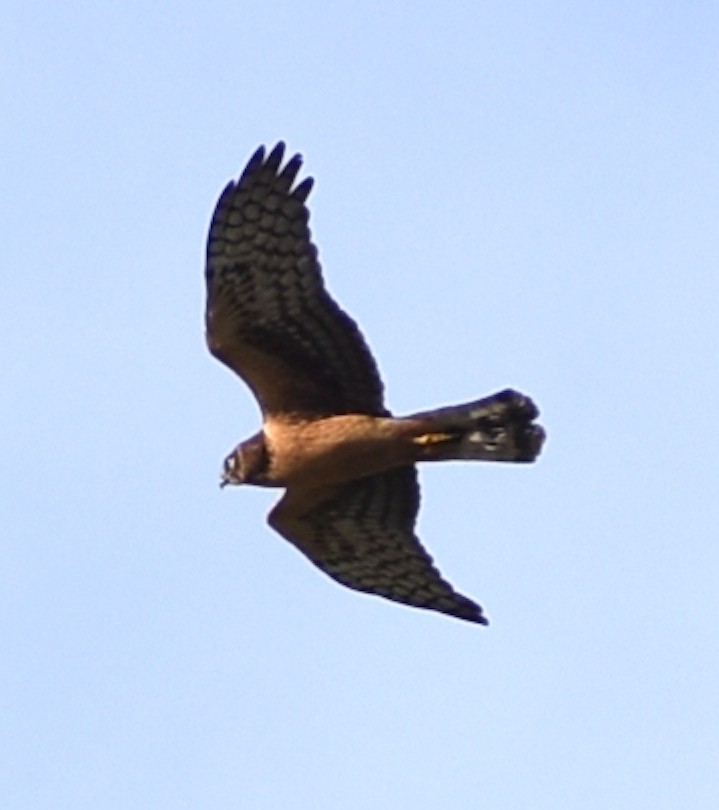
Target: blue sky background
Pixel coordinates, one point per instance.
(519, 193)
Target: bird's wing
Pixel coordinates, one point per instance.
(269, 316)
(363, 536)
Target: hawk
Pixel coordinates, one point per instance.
(346, 464)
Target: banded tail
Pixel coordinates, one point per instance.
(499, 427)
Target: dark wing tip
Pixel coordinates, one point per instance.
(258, 161)
(274, 159)
(444, 599)
(293, 165)
(302, 192)
(254, 162)
(271, 166)
(469, 611)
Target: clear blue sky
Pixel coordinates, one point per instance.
(515, 193)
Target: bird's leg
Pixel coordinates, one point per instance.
(432, 438)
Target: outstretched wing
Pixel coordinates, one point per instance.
(269, 316)
(363, 536)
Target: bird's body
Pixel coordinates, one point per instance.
(346, 463)
(335, 449)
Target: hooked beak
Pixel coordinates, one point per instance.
(227, 478)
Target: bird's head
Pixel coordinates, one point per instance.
(247, 464)
(234, 468)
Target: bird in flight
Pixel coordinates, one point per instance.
(348, 467)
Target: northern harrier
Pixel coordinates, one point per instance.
(347, 466)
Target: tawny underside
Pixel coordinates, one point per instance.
(338, 449)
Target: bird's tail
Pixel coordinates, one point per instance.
(499, 427)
